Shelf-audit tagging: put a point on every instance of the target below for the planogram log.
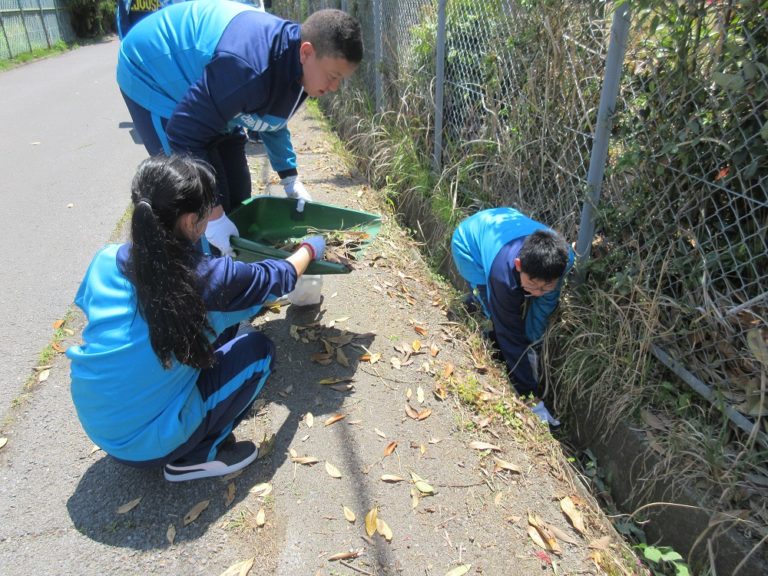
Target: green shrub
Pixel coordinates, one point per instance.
(91, 18)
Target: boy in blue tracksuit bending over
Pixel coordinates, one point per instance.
(161, 379)
(196, 75)
(515, 267)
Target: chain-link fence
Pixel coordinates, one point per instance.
(689, 165)
(26, 25)
(685, 193)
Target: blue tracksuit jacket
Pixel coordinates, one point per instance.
(128, 404)
(484, 248)
(211, 66)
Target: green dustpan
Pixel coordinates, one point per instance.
(267, 221)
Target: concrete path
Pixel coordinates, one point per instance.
(66, 164)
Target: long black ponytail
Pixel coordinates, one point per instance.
(163, 260)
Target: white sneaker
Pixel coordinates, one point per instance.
(231, 458)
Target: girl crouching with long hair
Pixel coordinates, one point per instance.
(160, 379)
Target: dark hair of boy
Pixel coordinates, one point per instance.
(334, 34)
(163, 260)
(544, 255)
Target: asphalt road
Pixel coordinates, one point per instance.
(66, 159)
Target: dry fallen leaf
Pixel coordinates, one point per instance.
(305, 460)
(229, 497)
(504, 465)
(563, 535)
(332, 470)
(601, 543)
(170, 534)
(433, 350)
(536, 537)
(261, 518)
(414, 497)
(416, 345)
(261, 490)
(459, 570)
(411, 412)
(549, 540)
(440, 392)
(448, 370)
(333, 419)
(196, 510)
(567, 505)
(372, 358)
(43, 375)
(478, 445)
(241, 568)
(3, 442)
(379, 432)
(349, 515)
(370, 521)
(309, 419)
(58, 324)
(128, 506)
(420, 330)
(332, 381)
(424, 414)
(391, 478)
(420, 395)
(421, 485)
(342, 387)
(58, 347)
(395, 363)
(390, 448)
(341, 358)
(322, 358)
(266, 446)
(384, 529)
(346, 555)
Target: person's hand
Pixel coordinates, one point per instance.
(544, 415)
(218, 232)
(295, 189)
(316, 245)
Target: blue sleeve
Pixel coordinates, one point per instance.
(231, 286)
(541, 308)
(227, 87)
(279, 148)
(506, 302)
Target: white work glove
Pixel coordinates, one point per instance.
(541, 411)
(295, 189)
(533, 360)
(218, 232)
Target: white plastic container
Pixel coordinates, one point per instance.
(308, 291)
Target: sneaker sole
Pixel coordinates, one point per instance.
(205, 470)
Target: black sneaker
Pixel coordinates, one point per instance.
(231, 458)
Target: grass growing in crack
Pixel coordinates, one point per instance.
(58, 48)
(241, 521)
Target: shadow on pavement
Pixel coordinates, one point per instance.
(107, 484)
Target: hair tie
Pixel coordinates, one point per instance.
(145, 202)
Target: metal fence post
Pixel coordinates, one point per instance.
(43, 24)
(377, 58)
(24, 22)
(5, 37)
(437, 158)
(613, 66)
